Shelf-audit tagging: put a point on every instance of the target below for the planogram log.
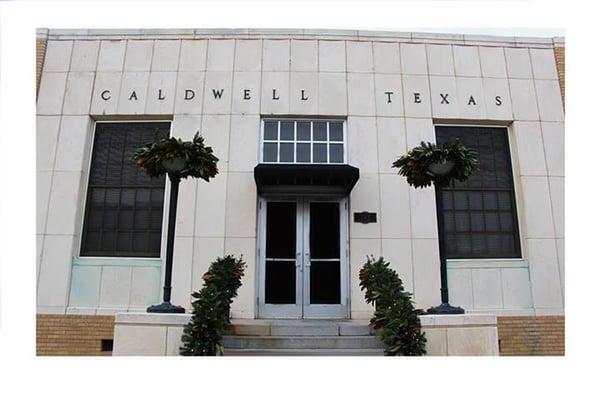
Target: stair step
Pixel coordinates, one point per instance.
(301, 342)
(232, 352)
(299, 328)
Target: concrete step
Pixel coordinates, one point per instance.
(301, 342)
(300, 328)
(303, 352)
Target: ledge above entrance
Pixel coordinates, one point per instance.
(294, 179)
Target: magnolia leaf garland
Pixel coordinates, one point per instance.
(415, 164)
(396, 320)
(199, 159)
(211, 308)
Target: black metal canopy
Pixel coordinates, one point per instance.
(310, 179)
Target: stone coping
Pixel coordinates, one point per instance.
(152, 319)
(458, 320)
(141, 318)
(486, 263)
(326, 34)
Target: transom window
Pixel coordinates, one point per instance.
(480, 214)
(303, 141)
(124, 208)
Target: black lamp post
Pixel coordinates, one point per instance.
(173, 166)
(441, 169)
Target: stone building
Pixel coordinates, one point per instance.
(306, 124)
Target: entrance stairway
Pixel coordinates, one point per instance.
(301, 338)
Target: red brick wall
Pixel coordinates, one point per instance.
(40, 55)
(73, 334)
(532, 335)
(559, 57)
(83, 334)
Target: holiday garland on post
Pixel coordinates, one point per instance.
(179, 159)
(418, 163)
(395, 319)
(210, 315)
(439, 165)
(198, 158)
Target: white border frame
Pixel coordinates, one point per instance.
(299, 310)
(341, 310)
(296, 120)
(517, 191)
(121, 261)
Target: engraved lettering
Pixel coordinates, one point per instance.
(160, 95)
(471, 101)
(498, 100)
(105, 95)
(417, 97)
(189, 94)
(389, 96)
(444, 97)
(302, 96)
(217, 94)
(133, 96)
(247, 94)
(275, 97)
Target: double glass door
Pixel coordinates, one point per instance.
(303, 261)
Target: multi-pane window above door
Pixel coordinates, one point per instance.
(124, 206)
(303, 141)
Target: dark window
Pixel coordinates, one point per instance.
(106, 345)
(480, 215)
(280, 271)
(124, 210)
(325, 253)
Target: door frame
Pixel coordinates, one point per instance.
(263, 309)
(303, 309)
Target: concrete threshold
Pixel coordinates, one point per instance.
(303, 352)
(262, 327)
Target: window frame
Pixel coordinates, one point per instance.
(84, 201)
(516, 196)
(262, 140)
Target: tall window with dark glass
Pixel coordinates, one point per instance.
(124, 206)
(480, 215)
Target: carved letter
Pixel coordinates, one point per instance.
(246, 94)
(104, 94)
(275, 97)
(133, 96)
(189, 94)
(444, 98)
(217, 94)
(389, 95)
(471, 101)
(160, 95)
(302, 96)
(498, 100)
(417, 97)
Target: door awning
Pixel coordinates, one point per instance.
(295, 179)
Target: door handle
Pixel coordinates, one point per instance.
(298, 263)
(307, 264)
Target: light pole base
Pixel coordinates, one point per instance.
(165, 308)
(445, 308)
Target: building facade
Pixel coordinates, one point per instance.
(306, 125)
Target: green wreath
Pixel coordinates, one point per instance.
(419, 163)
(199, 159)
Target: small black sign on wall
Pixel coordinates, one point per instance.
(365, 217)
